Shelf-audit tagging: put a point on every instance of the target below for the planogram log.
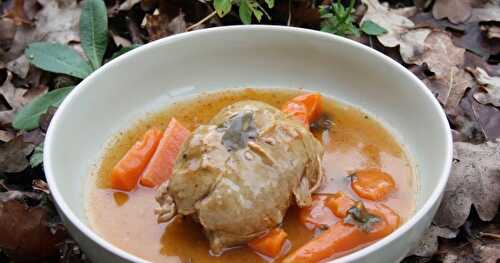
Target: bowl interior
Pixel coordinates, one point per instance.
(259, 56)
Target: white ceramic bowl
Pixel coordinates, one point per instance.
(241, 56)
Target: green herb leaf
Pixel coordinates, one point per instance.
(28, 117)
(245, 12)
(238, 130)
(94, 31)
(270, 3)
(223, 7)
(359, 216)
(37, 156)
(57, 58)
(123, 50)
(371, 28)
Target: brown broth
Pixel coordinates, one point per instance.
(356, 141)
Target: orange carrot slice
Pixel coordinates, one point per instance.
(160, 167)
(339, 203)
(342, 238)
(373, 184)
(304, 108)
(127, 171)
(270, 244)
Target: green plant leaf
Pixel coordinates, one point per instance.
(28, 117)
(245, 12)
(37, 156)
(371, 28)
(57, 58)
(258, 14)
(94, 31)
(270, 3)
(123, 50)
(223, 7)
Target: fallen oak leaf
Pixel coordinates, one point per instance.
(474, 179)
(475, 40)
(26, 234)
(490, 84)
(464, 121)
(449, 90)
(11, 94)
(441, 54)
(13, 155)
(428, 244)
(57, 21)
(19, 66)
(395, 21)
(489, 12)
(15, 97)
(456, 11)
(445, 60)
(488, 118)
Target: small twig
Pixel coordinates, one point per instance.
(490, 235)
(205, 19)
(289, 22)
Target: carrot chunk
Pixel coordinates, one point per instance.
(270, 244)
(127, 171)
(341, 238)
(160, 167)
(304, 108)
(339, 203)
(373, 184)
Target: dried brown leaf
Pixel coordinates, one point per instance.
(16, 98)
(413, 46)
(488, 118)
(13, 155)
(158, 25)
(441, 54)
(395, 21)
(6, 136)
(428, 244)
(445, 60)
(425, 19)
(57, 21)
(474, 180)
(492, 31)
(7, 32)
(456, 11)
(450, 89)
(477, 41)
(491, 84)
(487, 13)
(26, 235)
(40, 185)
(19, 66)
(16, 12)
(486, 252)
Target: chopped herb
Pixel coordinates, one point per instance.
(238, 131)
(359, 216)
(324, 122)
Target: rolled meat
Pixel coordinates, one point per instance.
(238, 175)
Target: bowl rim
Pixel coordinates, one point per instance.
(94, 237)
